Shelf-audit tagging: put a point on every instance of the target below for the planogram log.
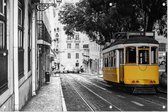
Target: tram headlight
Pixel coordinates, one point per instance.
(137, 81)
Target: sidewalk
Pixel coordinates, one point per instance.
(49, 97)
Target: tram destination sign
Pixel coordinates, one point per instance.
(148, 34)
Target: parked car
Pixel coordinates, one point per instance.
(69, 69)
(76, 70)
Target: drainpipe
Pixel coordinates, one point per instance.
(16, 73)
(34, 52)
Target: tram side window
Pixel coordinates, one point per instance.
(121, 56)
(153, 55)
(106, 65)
(105, 60)
(109, 62)
(131, 55)
(114, 59)
(111, 59)
(143, 56)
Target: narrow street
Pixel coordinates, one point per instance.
(84, 92)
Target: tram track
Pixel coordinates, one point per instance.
(106, 105)
(135, 97)
(91, 109)
(79, 95)
(109, 97)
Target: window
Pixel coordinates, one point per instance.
(162, 47)
(69, 45)
(114, 58)
(121, 56)
(131, 55)
(29, 42)
(2, 37)
(68, 37)
(3, 49)
(77, 45)
(77, 55)
(57, 35)
(111, 59)
(69, 55)
(20, 16)
(109, 62)
(153, 55)
(86, 46)
(2, 7)
(106, 60)
(143, 55)
(20, 38)
(77, 37)
(77, 64)
(57, 29)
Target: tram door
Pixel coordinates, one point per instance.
(3, 47)
(121, 65)
(143, 55)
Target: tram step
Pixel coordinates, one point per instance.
(144, 91)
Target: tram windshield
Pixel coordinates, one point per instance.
(154, 55)
(143, 55)
(131, 55)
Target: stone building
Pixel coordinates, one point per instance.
(24, 42)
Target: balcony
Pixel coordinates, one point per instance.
(43, 34)
(86, 46)
(77, 41)
(69, 41)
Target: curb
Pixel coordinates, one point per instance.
(62, 99)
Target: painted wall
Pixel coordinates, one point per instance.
(7, 99)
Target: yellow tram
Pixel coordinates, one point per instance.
(132, 60)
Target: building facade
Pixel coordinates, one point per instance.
(162, 44)
(21, 48)
(56, 38)
(95, 60)
(71, 51)
(76, 51)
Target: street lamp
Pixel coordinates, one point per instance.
(44, 6)
(163, 4)
(112, 5)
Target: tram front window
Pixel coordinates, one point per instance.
(153, 55)
(131, 55)
(143, 56)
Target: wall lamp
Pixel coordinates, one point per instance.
(44, 6)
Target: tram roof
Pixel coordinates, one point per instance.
(141, 39)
